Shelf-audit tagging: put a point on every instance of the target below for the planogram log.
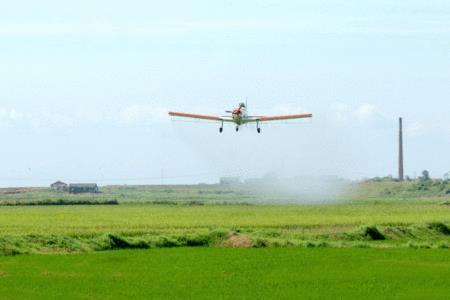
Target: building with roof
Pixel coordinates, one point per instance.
(59, 186)
(78, 188)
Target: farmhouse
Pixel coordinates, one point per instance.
(59, 186)
(77, 188)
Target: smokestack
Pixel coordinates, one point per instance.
(400, 151)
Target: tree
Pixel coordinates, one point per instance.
(425, 175)
(447, 176)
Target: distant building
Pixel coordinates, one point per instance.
(230, 180)
(59, 186)
(78, 188)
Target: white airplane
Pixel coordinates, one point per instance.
(239, 116)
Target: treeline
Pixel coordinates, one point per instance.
(423, 186)
(425, 176)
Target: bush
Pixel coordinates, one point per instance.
(117, 242)
(260, 243)
(9, 250)
(165, 242)
(360, 245)
(413, 245)
(309, 245)
(372, 233)
(439, 227)
(423, 185)
(195, 241)
(387, 192)
(444, 245)
(322, 244)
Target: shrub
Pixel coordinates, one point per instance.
(439, 227)
(411, 244)
(443, 245)
(117, 242)
(309, 245)
(9, 250)
(372, 233)
(276, 244)
(387, 192)
(260, 243)
(322, 244)
(195, 241)
(423, 185)
(360, 245)
(165, 242)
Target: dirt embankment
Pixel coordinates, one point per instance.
(237, 241)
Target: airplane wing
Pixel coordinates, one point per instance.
(278, 118)
(201, 117)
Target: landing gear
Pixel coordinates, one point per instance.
(237, 128)
(221, 128)
(257, 127)
(259, 130)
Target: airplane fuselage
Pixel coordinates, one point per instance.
(239, 115)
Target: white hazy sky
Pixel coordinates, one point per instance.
(86, 86)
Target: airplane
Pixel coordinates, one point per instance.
(239, 116)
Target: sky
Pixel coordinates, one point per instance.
(86, 87)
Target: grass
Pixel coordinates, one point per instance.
(143, 217)
(205, 273)
(43, 229)
(403, 190)
(205, 215)
(380, 244)
(265, 192)
(178, 194)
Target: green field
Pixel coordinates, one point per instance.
(385, 240)
(207, 273)
(171, 216)
(43, 229)
(334, 190)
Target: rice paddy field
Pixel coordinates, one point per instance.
(381, 241)
(223, 273)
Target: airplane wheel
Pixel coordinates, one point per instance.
(237, 129)
(259, 130)
(220, 129)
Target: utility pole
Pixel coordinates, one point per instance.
(400, 151)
